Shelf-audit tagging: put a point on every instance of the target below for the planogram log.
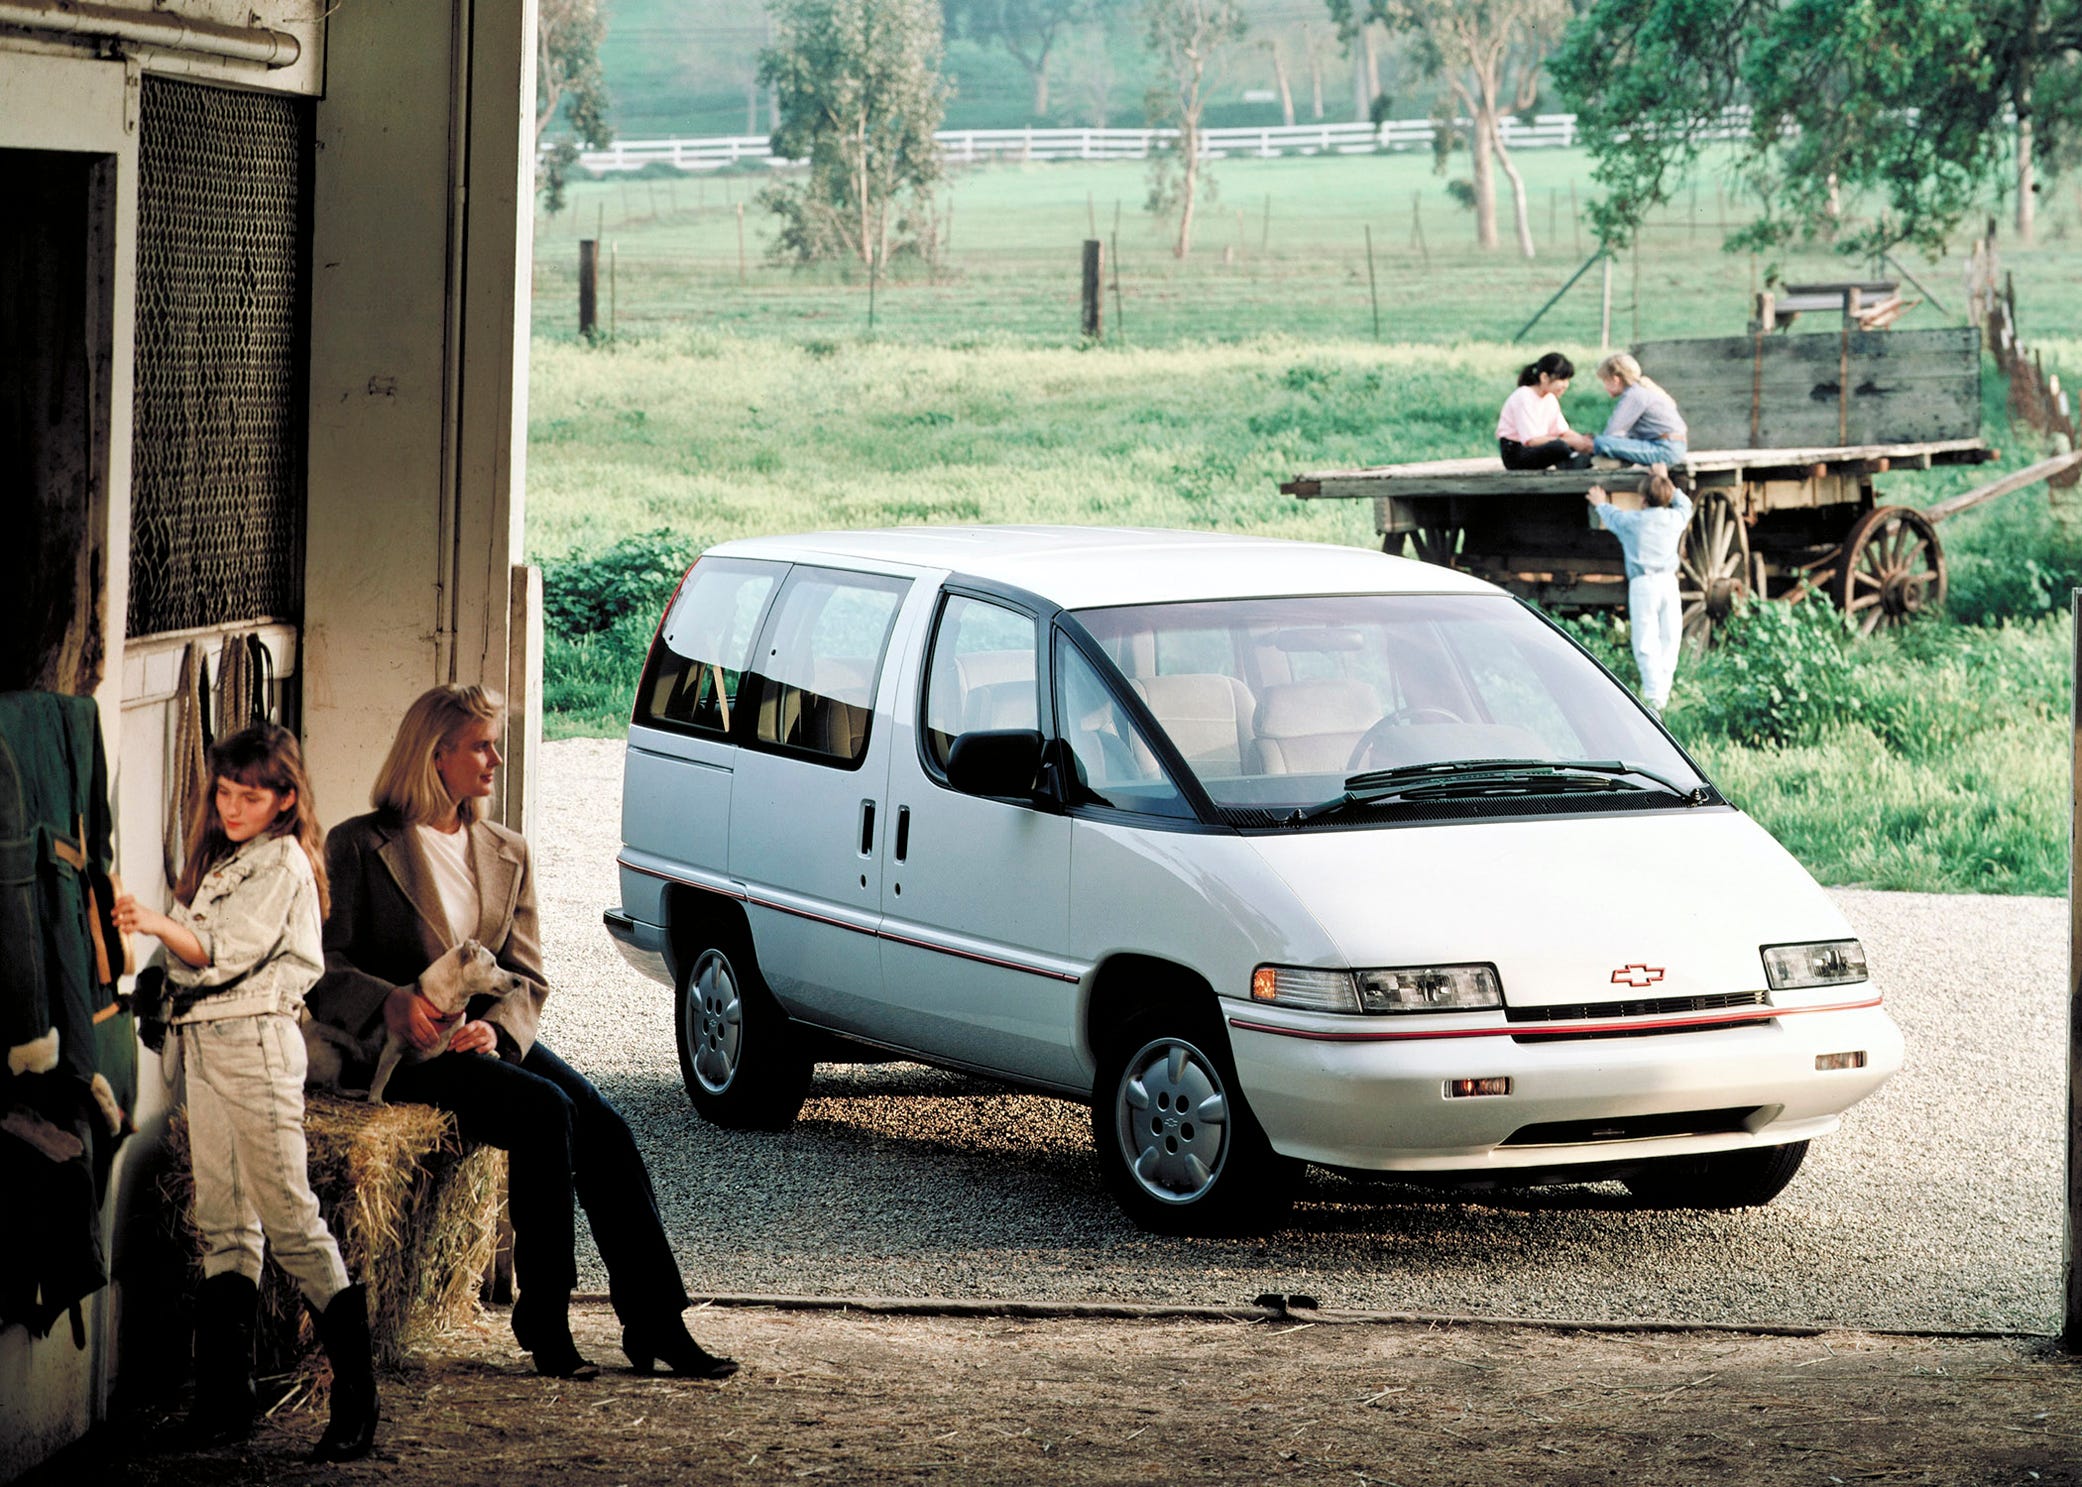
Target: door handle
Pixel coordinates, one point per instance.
(867, 828)
(903, 832)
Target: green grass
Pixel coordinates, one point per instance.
(1282, 249)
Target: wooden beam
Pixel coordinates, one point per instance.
(2071, 1230)
(2016, 480)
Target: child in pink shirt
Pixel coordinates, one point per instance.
(1529, 430)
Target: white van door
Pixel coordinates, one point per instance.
(976, 899)
(807, 803)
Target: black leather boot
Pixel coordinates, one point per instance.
(225, 1398)
(344, 1329)
(543, 1328)
(667, 1342)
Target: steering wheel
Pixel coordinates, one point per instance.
(1401, 717)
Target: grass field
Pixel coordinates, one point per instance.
(1932, 761)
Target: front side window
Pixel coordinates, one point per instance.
(1115, 765)
(816, 681)
(705, 646)
(980, 674)
(1303, 699)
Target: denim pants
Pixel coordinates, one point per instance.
(564, 1141)
(245, 1095)
(1655, 618)
(1639, 451)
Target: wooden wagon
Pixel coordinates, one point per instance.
(1788, 434)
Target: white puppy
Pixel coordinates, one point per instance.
(449, 984)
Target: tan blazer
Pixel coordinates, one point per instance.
(387, 926)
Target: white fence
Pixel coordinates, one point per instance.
(966, 146)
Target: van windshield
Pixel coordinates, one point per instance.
(1322, 707)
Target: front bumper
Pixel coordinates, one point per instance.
(1371, 1099)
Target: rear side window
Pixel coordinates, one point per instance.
(704, 647)
(816, 681)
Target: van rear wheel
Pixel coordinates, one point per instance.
(744, 1064)
(1178, 1147)
(1729, 1179)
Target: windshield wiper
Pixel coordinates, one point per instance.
(1462, 778)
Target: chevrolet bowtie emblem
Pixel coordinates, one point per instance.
(1637, 975)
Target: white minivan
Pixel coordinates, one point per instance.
(1273, 852)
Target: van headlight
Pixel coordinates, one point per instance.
(1401, 989)
(1824, 963)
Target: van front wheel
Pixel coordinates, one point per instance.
(1729, 1179)
(742, 1062)
(1177, 1145)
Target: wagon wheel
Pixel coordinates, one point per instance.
(1438, 544)
(1712, 568)
(1891, 570)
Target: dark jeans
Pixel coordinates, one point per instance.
(1546, 456)
(564, 1141)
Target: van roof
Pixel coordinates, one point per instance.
(1090, 567)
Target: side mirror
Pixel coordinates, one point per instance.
(999, 762)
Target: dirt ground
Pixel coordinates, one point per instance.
(862, 1397)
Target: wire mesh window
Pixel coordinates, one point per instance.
(217, 454)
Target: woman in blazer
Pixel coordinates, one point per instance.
(415, 877)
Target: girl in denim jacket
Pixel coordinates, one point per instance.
(246, 944)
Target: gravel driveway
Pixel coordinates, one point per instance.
(1937, 1205)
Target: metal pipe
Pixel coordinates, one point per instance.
(157, 28)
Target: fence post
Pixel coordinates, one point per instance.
(1373, 293)
(1093, 289)
(1605, 315)
(588, 285)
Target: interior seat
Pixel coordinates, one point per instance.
(1312, 727)
(1208, 717)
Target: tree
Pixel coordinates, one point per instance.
(1911, 99)
(860, 94)
(1187, 38)
(568, 81)
(1030, 30)
(1490, 54)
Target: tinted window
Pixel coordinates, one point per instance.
(816, 682)
(980, 675)
(705, 646)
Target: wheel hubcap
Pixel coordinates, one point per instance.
(1173, 1119)
(715, 1021)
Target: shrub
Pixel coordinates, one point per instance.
(589, 593)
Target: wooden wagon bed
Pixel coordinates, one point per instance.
(1792, 431)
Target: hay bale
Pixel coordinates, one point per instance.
(415, 1211)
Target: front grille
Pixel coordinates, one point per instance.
(1668, 1006)
(1634, 1127)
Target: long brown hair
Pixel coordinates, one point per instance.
(265, 757)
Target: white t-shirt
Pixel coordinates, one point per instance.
(455, 877)
(1531, 418)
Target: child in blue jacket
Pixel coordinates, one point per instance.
(1650, 539)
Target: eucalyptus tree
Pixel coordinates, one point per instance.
(1929, 104)
(1489, 56)
(860, 95)
(570, 85)
(1188, 40)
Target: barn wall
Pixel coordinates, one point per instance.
(413, 451)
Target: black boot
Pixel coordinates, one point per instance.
(225, 1401)
(344, 1329)
(667, 1342)
(543, 1328)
